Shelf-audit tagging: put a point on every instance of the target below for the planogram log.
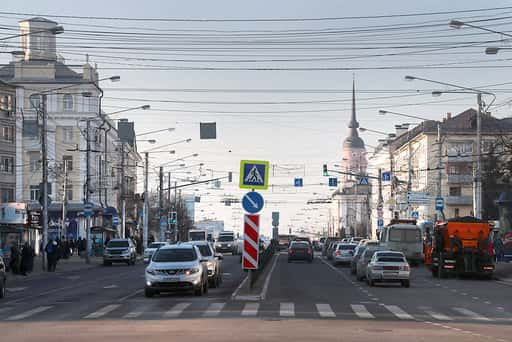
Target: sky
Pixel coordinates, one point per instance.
(295, 119)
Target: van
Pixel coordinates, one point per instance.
(403, 237)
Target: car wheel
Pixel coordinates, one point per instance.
(371, 283)
(406, 283)
(206, 287)
(107, 263)
(149, 293)
(199, 291)
(2, 290)
(359, 278)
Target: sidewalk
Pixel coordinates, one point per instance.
(504, 272)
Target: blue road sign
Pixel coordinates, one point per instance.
(254, 174)
(298, 182)
(386, 176)
(163, 222)
(333, 181)
(415, 215)
(439, 203)
(380, 222)
(88, 209)
(252, 202)
(115, 220)
(363, 181)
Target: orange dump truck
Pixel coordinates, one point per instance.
(459, 246)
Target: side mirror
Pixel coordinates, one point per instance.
(204, 260)
(219, 256)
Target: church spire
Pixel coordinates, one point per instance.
(353, 125)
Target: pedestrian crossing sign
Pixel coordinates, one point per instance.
(254, 174)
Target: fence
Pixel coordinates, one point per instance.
(265, 256)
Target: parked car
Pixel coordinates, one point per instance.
(355, 239)
(388, 266)
(3, 278)
(148, 252)
(364, 259)
(177, 267)
(343, 253)
(331, 248)
(361, 247)
(120, 250)
(300, 250)
(214, 263)
(326, 244)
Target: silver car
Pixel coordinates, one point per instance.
(388, 266)
(119, 250)
(364, 259)
(214, 263)
(343, 253)
(177, 267)
(148, 252)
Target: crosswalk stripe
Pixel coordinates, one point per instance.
(214, 309)
(103, 311)
(136, 313)
(361, 311)
(287, 310)
(471, 314)
(395, 310)
(29, 313)
(324, 310)
(176, 310)
(438, 316)
(250, 309)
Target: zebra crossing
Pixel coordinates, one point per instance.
(285, 310)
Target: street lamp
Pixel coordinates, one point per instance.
(149, 141)
(457, 24)
(170, 129)
(171, 144)
(143, 107)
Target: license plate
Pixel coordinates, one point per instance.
(171, 278)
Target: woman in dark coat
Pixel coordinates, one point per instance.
(14, 263)
(27, 259)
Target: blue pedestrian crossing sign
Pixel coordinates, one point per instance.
(252, 202)
(439, 203)
(298, 182)
(415, 215)
(333, 181)
(380, 223)
(363, 181)
(254, 174)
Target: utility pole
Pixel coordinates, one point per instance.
(161, 201)
(477, 186)
(175, 206)
(439, 166)
(169, 201)
(44, 148)
(123, 196)
(64, 197)
(87, 184)
(409, 171)
(146, 201)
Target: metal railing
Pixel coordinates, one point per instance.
(264, 257)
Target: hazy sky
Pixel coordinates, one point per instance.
(307, 126)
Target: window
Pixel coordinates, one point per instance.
(456, 212)
(69, 192)
(395, 235)
(7, 133)
(67, 162)
(67, 101)
(7, 164)
(460, 149)
(35, 162)
(67, 135)
(30, 128)
(456, 191)
(174, 255)
(36, 101)
(453, 170)
(34, 193)
(6, 104)
(6, 195)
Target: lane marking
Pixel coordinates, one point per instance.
(287, 310)
(122, 299)
(103, 311)
(214, 309)
(176, 310)
(15, 289)
(29, 313)
(267, 280)
(113, 286)
(250, 309)
(325, 310)
(437, 315)
(398, 312)
(137, 312)
(361, 311)
(471, 314)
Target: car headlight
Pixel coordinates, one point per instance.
(150, 271)
(192, 271)
(229, 245)
(210, 265)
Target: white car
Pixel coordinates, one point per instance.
(343, 253)
(148, 252)
(388, 266)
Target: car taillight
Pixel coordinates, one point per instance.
(405, 268)
(376, 267)
(338, 253)
(309, 251)
(290, 251)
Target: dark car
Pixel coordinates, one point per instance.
(3, 278)
(300, 250)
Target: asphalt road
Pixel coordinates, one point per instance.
(304, 301)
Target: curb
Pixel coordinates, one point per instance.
(255, 297)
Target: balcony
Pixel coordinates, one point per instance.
(459, 200)
(460, 179)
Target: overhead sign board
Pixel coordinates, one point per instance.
(333, 182)
(251, 242)
(252, 202)
(416, 197)
(254, 174)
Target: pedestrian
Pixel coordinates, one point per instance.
(498, 247)
(14, 263)
(27, 259)
(51, 255)
(490, 247)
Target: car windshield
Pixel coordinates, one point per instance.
(205, 250)
(405, 235)
(175, 255)
(156, 245)
(225, 238)
(117, 244)
(347, 247)
(299, 245)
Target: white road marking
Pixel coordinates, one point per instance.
(471, 314)
(250, 309)
(122, 299)
(214, 309)
(110, 286)
(325, 310)
(176, 310)
(437, 315)
(103, 311)
(395, 310)
(15, 289)
(263, 293)
(287, 310)
(137, 312)
(29, 313)
(361, 311)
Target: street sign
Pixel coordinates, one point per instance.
(333, 181)
(298, 182)
(386, 176)
(251, 242)
(115, 220)
(439, 203)
(275, 218)
(254, 174)
(88, 209)
(163, 222)
(363, 181)
(415, 215)
(416, 197)
(252, 202)
(380, 223)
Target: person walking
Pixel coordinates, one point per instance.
(27, 259)
(51, 255)
(498, 247)
(14, 263)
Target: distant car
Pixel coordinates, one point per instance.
(300, 250)
(343, 253)
(361, 247)
(3, 278)
(177, 267)
(388, 266)
(120, 250)
(226, 244)
(364, 259)
(214, 263)
(355, 239)
(331, 248)
(148, 252)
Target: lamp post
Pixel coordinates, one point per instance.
(477, 182)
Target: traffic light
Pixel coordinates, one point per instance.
(326, 173)
(174, 217)
(230, 176)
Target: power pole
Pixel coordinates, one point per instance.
(44, 148)
(161, 201)
(477, 186)
(168, 201)
(146, 201)
(123, 199)
(409, 172)
(64, 197)
(87, 184)
(439, 166)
